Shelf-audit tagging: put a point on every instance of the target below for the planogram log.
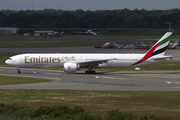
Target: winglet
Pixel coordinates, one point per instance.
(158, 49)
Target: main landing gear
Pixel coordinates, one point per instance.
(90, 70)
(18, 70)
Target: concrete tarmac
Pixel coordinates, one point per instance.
(119, 80)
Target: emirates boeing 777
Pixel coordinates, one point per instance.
(74, 62)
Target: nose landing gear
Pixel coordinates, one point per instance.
(18, 70)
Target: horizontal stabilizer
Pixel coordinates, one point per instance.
(161, 57)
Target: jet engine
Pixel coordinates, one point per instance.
(71, 67)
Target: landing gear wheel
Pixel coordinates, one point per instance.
(18, 70)
(90, 72)
(93, 72)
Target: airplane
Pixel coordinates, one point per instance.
(73, 62)
(112, 44)
(87, 32)
(173, 45)
(91, 32)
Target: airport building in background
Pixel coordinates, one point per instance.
(8, 31)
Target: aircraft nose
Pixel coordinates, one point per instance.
(7, 61)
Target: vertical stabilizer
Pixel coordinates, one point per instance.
(161, 45)
(158, 49)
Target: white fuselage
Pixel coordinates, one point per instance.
(58, 60)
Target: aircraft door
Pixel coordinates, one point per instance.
(20, 59)
(81, 59)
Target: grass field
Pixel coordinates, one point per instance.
(4, 80)
(166, 104)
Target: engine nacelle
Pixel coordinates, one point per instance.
(71, 67)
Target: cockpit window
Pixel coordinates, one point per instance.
(10, 59)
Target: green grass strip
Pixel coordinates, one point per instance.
(141, 103)
(4, 80)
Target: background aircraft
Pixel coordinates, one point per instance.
(87, 32)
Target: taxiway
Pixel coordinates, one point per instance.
(119, 80)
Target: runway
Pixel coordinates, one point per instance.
(119, 80)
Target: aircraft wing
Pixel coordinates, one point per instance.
(94, 62)
(93, 33)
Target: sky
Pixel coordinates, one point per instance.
(89, 4)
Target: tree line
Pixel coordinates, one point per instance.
(123, 18)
